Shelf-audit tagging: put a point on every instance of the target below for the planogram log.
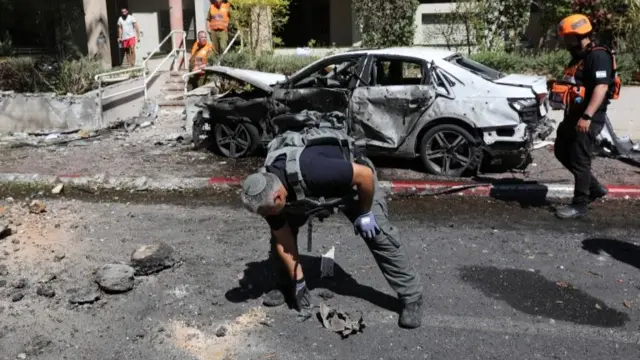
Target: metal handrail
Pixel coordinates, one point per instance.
(186, 76)
(173, 52)
(144, 69)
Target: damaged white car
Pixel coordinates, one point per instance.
(452, 112)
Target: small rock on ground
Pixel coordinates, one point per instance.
(115, 278)
(3, 270)
(5, 231)
(58, 257)
(37, 207)
(3, 283)
(152, 258)
(17, 297)
(21, 283)
(46, 291)
(221, 332)
(87, 295)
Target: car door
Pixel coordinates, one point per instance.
(386, 110)
(326, 86)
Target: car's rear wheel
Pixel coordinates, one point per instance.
(448, 150)
(236, 140)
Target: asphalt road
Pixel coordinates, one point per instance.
(502, 281)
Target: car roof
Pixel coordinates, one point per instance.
(422, 52)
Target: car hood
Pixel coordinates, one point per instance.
(258, 79)
(537, 83)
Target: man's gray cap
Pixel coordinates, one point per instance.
(254, 184)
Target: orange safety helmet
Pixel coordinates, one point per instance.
(576, 24)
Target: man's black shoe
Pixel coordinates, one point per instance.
(572, 211)
(273, 298)
(599, 192)
(411, 316)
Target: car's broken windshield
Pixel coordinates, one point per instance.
(475, 67)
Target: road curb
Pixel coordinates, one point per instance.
(393, 188)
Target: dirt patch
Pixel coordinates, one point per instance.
(218, 342)
(37, 239)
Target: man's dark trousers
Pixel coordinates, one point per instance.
(574, 150)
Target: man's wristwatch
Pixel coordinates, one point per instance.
(586, 117)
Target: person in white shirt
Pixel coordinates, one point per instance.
(128, 35)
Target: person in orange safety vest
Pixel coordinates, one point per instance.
(199, 58)
(589, 83)
(218, 18)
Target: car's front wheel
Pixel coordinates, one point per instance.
(236, 140)
(448, 150)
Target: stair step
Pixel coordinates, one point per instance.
(176, 73)
(175, 80)
(170, 103)
(174, 96)
(173, 86)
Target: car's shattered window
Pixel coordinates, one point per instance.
(332, 75)
(476, 68)
(389, 72)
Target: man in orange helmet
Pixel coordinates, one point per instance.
(583, 94)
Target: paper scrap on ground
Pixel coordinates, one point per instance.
(326, 263)
(343, 323)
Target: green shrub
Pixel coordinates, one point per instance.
(26, 74)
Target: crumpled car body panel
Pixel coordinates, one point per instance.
(385, 115)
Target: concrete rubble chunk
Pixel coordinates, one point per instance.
(86, 295)
(46, 291)
(115, 278)
(150, 259)
(37, 207)
(58, 189)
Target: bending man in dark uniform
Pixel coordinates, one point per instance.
(591, 74)
(327, 173)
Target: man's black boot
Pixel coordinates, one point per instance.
(598, 192)
(411, 316)
(572, 211)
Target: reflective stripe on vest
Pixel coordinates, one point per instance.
(291, 144)
(219, 17)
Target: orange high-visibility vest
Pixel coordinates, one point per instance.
(566, 92)
(200, 54)
(219, 17)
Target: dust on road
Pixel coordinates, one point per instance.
(500, 279)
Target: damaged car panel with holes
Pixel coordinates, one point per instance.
(437, 105)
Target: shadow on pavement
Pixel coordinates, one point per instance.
(619, 250)
(257, 280)
(535, 295)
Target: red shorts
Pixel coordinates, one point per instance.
(129, 43)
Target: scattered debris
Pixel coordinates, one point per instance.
(36, 345)
(598, 307)
(21, 283)
(37, 207)
(563, 284)
(115, 278)
(46, 291)
(17, 297)
(87, 295)
(47, 278)
(3, 283)
(594, 273)
(222, 331)
(22, 356)
(627, 304)
(59, 257)
(326, 263)
(341, 322)
(3, 270)
(151, 259)
(326, 294)
(620, 281)
(58, 189)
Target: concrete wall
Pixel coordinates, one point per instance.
(47, 113)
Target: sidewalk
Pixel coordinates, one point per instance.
(157, 152)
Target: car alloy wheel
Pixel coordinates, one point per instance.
(236, 140)
(448, 150)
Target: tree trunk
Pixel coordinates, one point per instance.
(261, 30)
